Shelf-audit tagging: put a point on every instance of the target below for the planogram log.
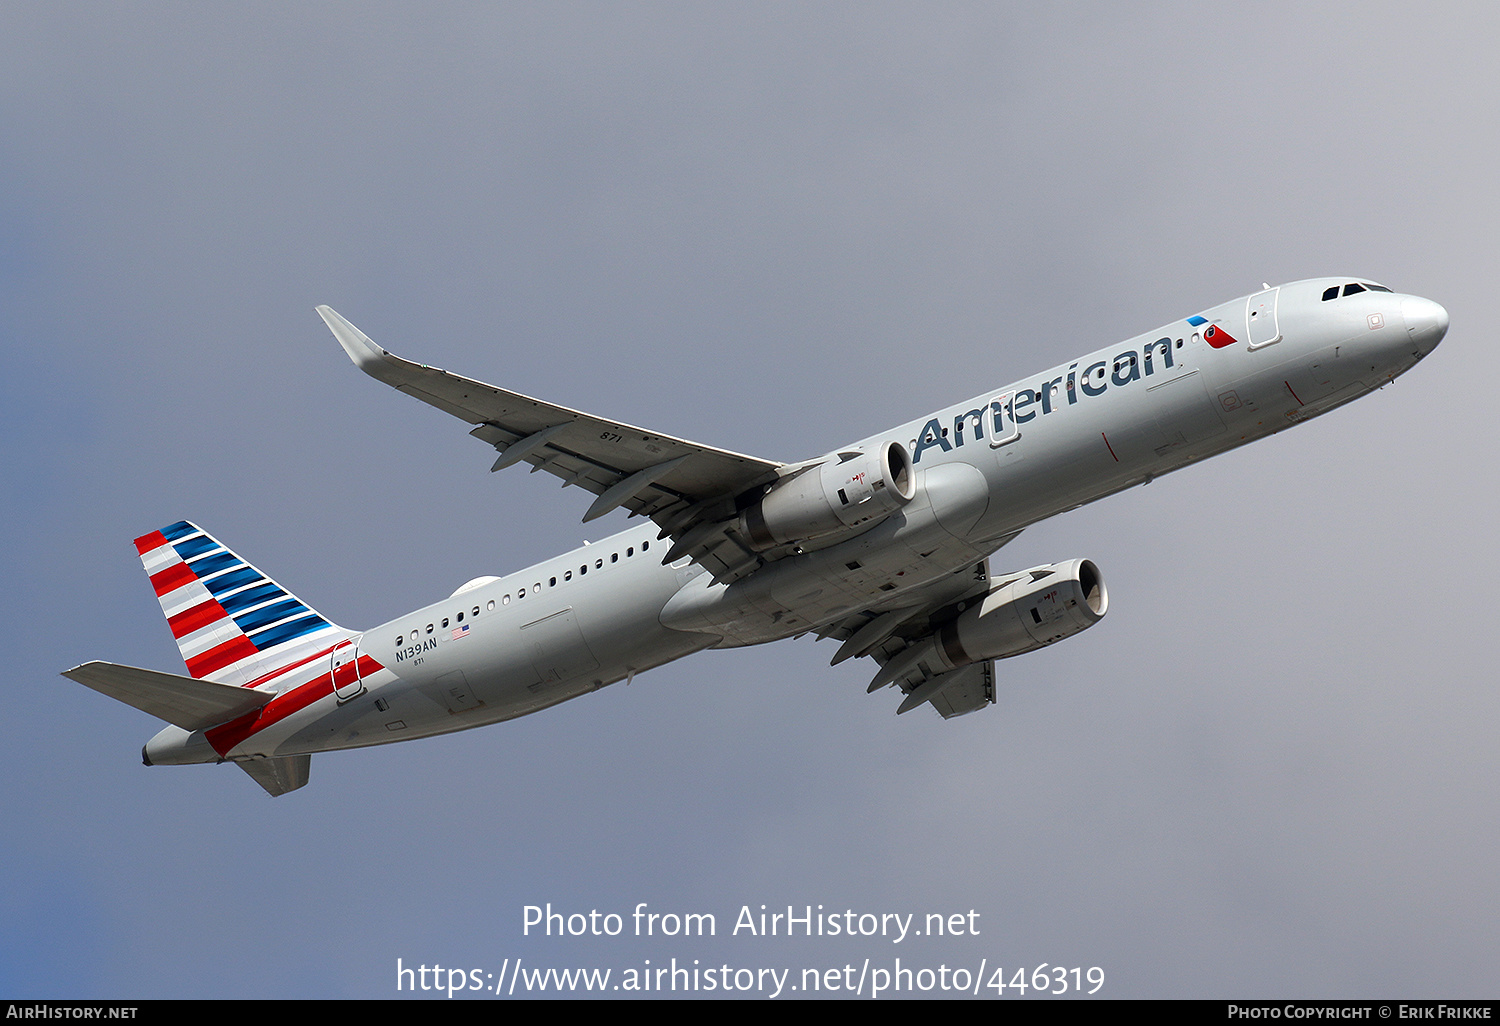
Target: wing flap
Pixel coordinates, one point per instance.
(970, 689)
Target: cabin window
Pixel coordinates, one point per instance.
(567, 575)
(445, 621)
(476, 608)
(460, 616)
(552, 582)
(429, 628)
(506, 600)
(645, 545)
(614, 557)
(583, 570)
(598, 564)
(492, 602)
(537, 587)
(630, 551)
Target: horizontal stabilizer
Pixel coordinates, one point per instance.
(278, 776)
(183, 701)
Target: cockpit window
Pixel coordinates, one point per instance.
(1351, 289)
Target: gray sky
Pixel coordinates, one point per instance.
(774, 228)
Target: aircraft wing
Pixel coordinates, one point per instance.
(683, 486)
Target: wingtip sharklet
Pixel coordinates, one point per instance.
(367, 356)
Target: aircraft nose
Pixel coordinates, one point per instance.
(1426, 321)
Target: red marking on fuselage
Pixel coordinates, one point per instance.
(258, 681)
(1217, 337)
(1108, 446)
(1295, 396)
(225, 737)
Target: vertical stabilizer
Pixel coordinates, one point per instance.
(233, 624)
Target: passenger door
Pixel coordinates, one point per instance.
(343, 667)
(1260, 315)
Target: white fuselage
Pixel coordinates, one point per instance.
(985, 469)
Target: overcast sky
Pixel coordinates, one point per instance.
(774, 228)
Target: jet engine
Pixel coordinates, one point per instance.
(846, 491)
(1028, 611)
(1044, 605)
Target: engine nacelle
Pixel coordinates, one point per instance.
(845, 492)
(1035, 608)
(1047, 604)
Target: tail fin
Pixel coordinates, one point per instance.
(233, 624)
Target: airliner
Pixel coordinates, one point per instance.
(882, 545)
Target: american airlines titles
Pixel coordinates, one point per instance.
(1005, 413)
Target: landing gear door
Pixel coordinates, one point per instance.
(343, 666)
(1260, 317)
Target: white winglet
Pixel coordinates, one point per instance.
(367, 356)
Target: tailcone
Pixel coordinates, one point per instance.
(177, 747)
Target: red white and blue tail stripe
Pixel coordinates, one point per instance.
(233, 624)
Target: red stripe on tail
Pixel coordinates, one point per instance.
(220, 656)
(172, 578)
(147, 542)
(200, 616)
